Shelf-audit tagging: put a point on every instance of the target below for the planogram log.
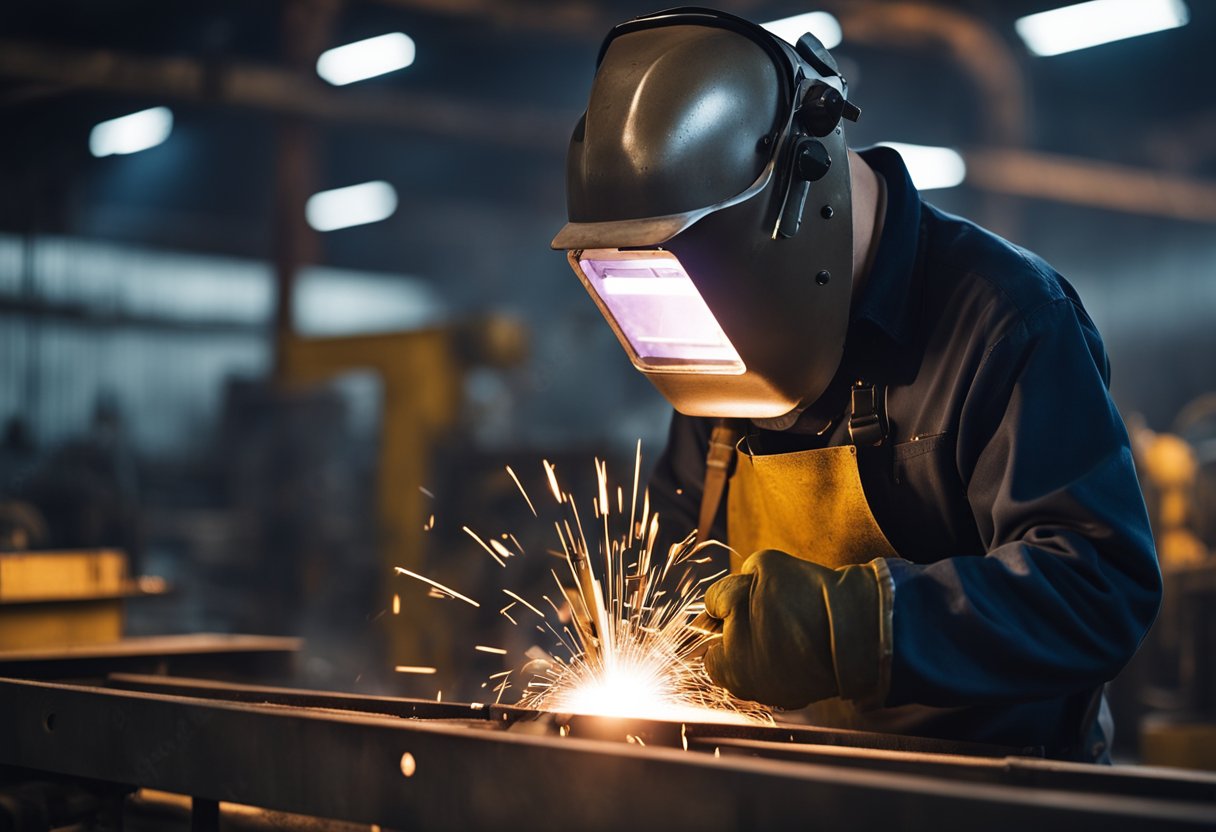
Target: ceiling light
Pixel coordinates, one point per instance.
(931, 167)
(820, 24)
(353, 205)
(1099, 21)
(366, 58)
(131, 134)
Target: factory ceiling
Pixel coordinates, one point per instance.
(475, 130)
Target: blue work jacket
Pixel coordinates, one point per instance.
(1026, 575)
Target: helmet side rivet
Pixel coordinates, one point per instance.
(823, 277)
(826, 212)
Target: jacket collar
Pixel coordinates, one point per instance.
(886, 301)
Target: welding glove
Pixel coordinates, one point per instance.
(795, 632)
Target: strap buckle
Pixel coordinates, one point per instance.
(868, 426)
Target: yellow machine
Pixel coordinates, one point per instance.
(422, 375)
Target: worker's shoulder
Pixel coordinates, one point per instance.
(998, 282)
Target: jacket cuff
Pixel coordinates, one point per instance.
(886, 637)
(859, 611)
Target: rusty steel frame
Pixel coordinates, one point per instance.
(343, 764)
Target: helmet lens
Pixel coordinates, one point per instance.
(656, 311)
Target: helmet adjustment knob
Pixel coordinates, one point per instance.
(811, 163)
(822, 108)
(811, 160)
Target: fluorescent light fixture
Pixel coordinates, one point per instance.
(353, 205)
(365, 59)
(1099, 21)
(131, 134)
(820, 24)
(931, 167)
(332, 302)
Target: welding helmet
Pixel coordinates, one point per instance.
(709, 209)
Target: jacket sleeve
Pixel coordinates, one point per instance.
(678, 481)
(1069, 584)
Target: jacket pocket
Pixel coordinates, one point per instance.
(934, 517)
(918, 446)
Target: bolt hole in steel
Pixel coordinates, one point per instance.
(408, 764)
(48, 722)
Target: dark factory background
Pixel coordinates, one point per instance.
(269, 417)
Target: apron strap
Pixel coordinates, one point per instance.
(868, 426)
(717, 466)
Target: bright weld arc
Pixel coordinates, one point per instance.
(638, 657)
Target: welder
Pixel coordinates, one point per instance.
(898, 422)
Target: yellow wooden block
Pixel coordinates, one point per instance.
(54, 575)
(60, 624)
(1178, 743)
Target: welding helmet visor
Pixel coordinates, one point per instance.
(656, 311)
(687, 179)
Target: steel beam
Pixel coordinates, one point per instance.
(354, 767)
(551, 724)
(281, 92)
(1091, 184)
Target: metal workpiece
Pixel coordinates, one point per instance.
(710, 735)
(219, 691)
(651, 732)
(213, 655)
(453, 766)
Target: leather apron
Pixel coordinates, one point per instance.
(809, 504)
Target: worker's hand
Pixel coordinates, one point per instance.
(795, 632)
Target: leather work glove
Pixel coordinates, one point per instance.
(795, 632)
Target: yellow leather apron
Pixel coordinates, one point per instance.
(809, 504)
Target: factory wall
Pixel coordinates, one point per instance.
(155, 334)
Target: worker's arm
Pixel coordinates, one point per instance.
(678, 480)
(1059, 602)
(1069, 584)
